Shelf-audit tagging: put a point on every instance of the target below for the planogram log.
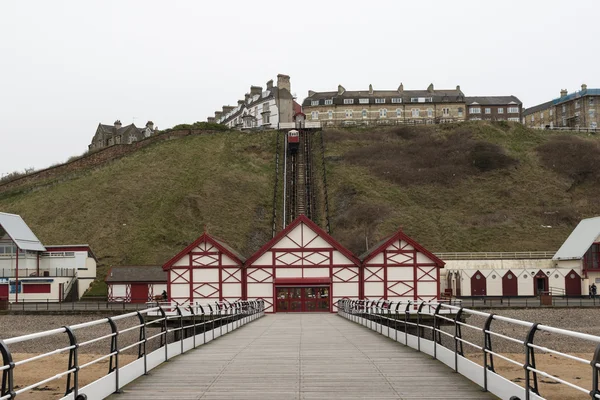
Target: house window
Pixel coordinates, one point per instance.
(514, 119)
(576, 103)
(460, 111)
(415, 113)
(500, 110)
(564, 121)
(328, 102)
(445, 112)
(542, 115)
(380, 101)
(399, 112)
(363, 101)
(532, 118)
(591, 101)
(314, 103)
(348, 113)
(314, 115)
(551, 112)
(364, 113)
(430, 112)
(396, 100)
(474, 110)
(513, 110)
(564, 108)
(382, 113)
(488, 110)
(330, 114)
(266, 119)
(592, 113)
(348, 101)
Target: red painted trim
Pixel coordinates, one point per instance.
(402, 236)
(385, 278)
(36, 288)
(301, 281)
(220, 277)
(438, 283)
(204, 238)
(320, 232)
(54, 249)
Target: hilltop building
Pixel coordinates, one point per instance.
(366, 107)
(494, 108)
(108, 135)
(30, 271)
(570, 110)
(260, 109)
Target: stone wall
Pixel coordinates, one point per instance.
(90, 160)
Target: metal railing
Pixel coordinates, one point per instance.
(404, 322)
(565, 129)
(38, 273)
(518, 255)
(190, 326)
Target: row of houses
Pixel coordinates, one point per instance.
(276, 108)
(109, 135)
(576, 110)
(305, 269)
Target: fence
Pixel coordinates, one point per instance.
(190, 326)
(35, 272)
(397, 321)
(520, 255)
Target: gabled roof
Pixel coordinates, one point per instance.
(222, 246)
(324, 235)
(385, 243)
(580, 240)
(19, 232)
(537, 108)
(136, 273)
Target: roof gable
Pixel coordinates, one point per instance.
(206, 238)
(580, 240)
(281, 240)
(20, 233)
(385, 243)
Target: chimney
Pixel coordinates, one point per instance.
(150, 125)
(283, 82)
(430, 88)
(311, 93)
(458, 88)
(247, 97)
(370, 89)
(227, 109)
(270, 85)
(563, 93)
(401, 88)
(255, 90)
(210, 120)
(118, 124)
(341, 90)
(583, 87)
(218, 115)
(240, 102)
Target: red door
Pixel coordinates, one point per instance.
(3, 292)
(540, 283)
(139, 292)
(509, 284)
(478, 285)
(302, 299)
(573, 284)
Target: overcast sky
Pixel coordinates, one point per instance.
(65, 66)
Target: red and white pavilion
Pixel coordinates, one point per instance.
(303, 269)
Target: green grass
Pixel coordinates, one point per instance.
(145, 207)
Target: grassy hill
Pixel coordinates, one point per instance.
(467, 187)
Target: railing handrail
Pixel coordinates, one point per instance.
(389, 312)
(224, 314)
(513, 255)
(61, 272)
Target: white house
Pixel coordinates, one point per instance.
(30, 271)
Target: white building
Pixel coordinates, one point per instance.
(570, 271)
(260, 109)
(30, 271)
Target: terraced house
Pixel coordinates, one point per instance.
(365, 107)
(260, 109)
(494, 108)
(575, 110)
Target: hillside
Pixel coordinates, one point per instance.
(467, 187)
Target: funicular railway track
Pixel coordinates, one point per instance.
(298, 173)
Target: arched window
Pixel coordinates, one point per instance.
(382, 113)
(399, 112)
(365, 114)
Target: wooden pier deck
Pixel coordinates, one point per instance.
(302, 356)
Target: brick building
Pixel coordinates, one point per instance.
(576, 110)
(365, 107)
(494, 108)
(108, 135)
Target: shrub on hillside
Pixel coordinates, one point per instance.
(209, 126)
(573, 157)
(431, 158)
